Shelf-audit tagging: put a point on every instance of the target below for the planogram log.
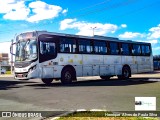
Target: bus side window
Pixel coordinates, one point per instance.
(85, 46)
(148, 50)
(67, 45)
(47, 48)
(100, 47)
(125, 49)
(114, 48)
(136, 50)
(145, 50)
(67, 49)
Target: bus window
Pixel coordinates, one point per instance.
(145, 50)
(100, 47)
(67, 45)
(85, 46)
(114, 49)
(47, 48)
(125, 49)
(136, 50)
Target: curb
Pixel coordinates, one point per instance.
(6, 75)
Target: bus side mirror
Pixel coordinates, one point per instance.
(11, 49)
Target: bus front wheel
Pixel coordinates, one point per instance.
(67, 76)
(47, 81)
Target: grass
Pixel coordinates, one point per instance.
(92, 115)
(104, 118)
(8, 72)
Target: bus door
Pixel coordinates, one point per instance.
(47, 55)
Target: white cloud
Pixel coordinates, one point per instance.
(123, 25)
(154, 32)
(86, 28)
(156, 48)
(65, 23)
(34, 12)
(129, 35)
(18, 11)
(7, 4)
(149, 41)
(153, 41)
(65, 11)
(42, 10)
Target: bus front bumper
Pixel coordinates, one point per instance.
(26, 75)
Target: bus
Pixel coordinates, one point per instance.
(156, 62)
(56, 56)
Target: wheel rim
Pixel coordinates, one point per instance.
(68, 76)
(126, 73)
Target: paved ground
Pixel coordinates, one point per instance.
(94, 93)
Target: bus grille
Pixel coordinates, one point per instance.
(21, 64)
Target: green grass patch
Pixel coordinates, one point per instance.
(8, 72)
(98, 115)
(88, 114)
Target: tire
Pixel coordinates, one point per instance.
(67, 76)
(105, 77)
(126, 73)
(47, 81)
(120, 77)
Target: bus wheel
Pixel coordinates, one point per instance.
(67, 76)
(105, 77)
(47, 81)
(120, 77)
(126, 72)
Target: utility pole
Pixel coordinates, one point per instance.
(0, 68)
(93, 29)
(12, 40)
(12, 58)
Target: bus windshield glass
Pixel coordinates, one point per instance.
(26, 50)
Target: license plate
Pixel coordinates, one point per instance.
(20, 75)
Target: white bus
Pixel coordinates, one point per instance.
(49, 56)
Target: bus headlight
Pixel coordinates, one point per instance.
(32, 68)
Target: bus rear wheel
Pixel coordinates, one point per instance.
(47, 81)
(126, 73)
(67, 76)
(105, 77)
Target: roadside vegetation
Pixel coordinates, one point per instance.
(91, 115)
(8, 72)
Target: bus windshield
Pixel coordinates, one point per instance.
(26, 50)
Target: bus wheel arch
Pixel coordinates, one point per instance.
(47, 81)
(68, 74)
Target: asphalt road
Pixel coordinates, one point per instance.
(88, 93)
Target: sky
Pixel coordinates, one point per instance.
(137, 20)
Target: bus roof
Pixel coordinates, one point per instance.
(96, 37)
